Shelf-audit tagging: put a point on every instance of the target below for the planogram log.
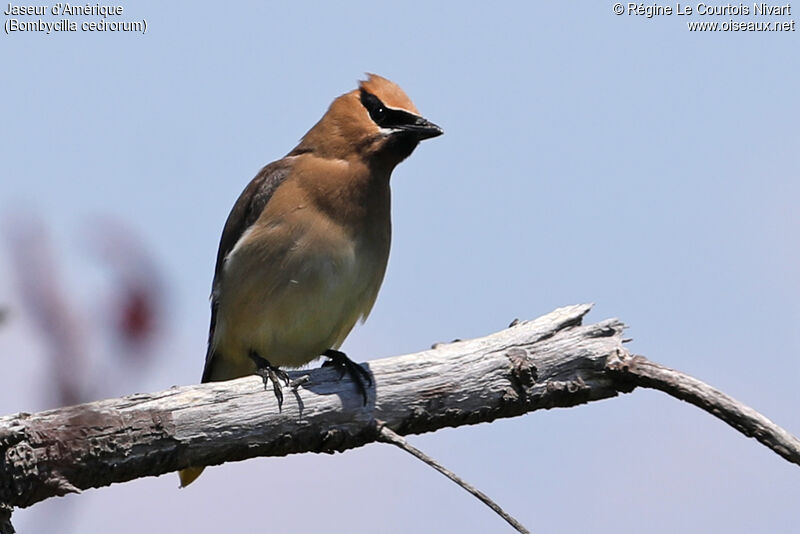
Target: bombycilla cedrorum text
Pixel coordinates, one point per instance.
(305, 247)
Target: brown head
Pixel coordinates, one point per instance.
(377, 123)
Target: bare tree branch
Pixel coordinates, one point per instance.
(388, 436)
(548, 362)
(639, 371)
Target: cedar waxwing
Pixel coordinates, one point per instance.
(305, 247)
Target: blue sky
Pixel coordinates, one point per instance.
(587, 157)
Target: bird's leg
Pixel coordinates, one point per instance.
(269, 372)
(345, 365)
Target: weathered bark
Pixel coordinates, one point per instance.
(551, 361)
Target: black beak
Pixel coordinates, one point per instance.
(422, 129)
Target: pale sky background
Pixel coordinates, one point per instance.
(587, 157)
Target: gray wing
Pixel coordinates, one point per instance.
(244, 213)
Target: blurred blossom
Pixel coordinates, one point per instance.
(137, 299)
(43, 300)
(132, 322)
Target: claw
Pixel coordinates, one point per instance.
(270, 373)
(344, 364)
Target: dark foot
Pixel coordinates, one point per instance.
(346, 365)
(269, 372)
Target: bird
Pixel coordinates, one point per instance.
(304, 250)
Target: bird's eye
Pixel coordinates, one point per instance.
(375, 108)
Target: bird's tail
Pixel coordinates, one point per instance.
(189, 475)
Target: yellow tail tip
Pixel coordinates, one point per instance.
(189, 475)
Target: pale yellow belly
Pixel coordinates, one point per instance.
(291, 307)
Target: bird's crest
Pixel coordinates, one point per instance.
(388, 92)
